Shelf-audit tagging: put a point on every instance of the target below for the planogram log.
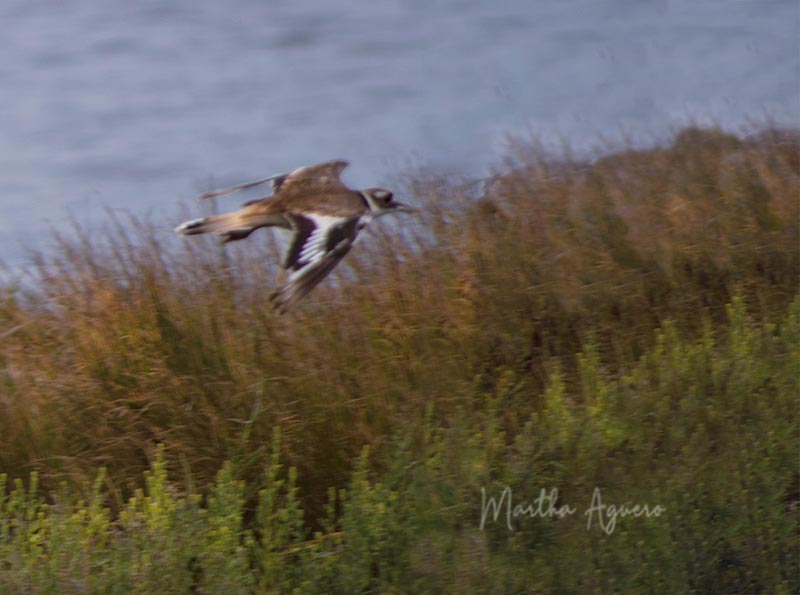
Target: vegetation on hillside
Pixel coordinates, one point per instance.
(630, 325)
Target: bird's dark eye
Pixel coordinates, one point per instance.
(383, 196)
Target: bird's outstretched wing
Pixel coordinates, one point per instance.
(318, 178)
(322, 178)
(273, 181)
(319, 243)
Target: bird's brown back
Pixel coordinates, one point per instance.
(342, 203)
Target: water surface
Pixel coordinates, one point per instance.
(137, 105)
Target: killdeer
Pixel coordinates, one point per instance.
(324, 215)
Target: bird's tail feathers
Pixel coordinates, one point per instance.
(229, 226)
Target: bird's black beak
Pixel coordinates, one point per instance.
(404, 208)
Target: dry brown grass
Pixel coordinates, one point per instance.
(126, 337)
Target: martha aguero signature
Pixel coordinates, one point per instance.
(605, 516)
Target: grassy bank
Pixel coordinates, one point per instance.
(629, 324)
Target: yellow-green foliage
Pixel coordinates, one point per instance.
(619, 324)
(705, 428)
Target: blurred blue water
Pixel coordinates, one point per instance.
(135, 105)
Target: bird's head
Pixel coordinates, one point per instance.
(381, 201)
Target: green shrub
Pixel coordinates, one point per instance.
(705, 428)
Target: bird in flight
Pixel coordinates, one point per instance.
(323, 214)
